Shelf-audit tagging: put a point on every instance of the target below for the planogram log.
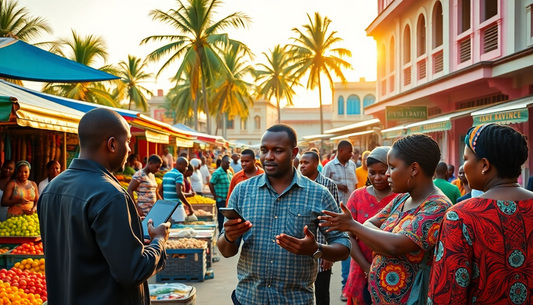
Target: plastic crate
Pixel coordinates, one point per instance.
(12, 259)
(183, 265)
(3, 259)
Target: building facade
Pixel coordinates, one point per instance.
(455, 58)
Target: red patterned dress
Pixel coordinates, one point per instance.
(391, 278)
(484, 254)
(363, 206)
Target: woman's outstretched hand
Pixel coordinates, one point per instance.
(337, 221)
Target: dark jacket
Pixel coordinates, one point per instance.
(93, 241)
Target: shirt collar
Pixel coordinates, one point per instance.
(92, 166)
(319, 178)
(297, 179)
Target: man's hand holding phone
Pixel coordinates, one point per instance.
(235, 228)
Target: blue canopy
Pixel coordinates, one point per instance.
(23, 61)
(73, 104)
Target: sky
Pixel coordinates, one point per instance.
(124, 23)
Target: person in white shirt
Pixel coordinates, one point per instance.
(204, 170)
(168, 158)
(197, 181)
(54, 169)
(236, 164)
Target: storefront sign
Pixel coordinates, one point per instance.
(393, 134)
(506, 117)
(431, 127)
(406, 112)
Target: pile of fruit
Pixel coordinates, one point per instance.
(26, 225)
(29, 249)
(4, 250)
(24, 286)
(186, 243)
(197, 199)
(30, 264)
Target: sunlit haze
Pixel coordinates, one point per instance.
(123, 24)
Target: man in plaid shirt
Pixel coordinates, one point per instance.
(342, 171)
(309, 168)
(219, 186)
(279, 258)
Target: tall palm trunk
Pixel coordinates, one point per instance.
(277, 102)
(129, 106)
(196, 111)
(321, 112)
(206, 109)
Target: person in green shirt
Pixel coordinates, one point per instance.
(450, 190)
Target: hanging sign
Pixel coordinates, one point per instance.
(406, 112)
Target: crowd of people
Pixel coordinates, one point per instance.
(418, 234)
(405, 228)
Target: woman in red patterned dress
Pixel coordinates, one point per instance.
(485, 249)
(365, 203)
(402, 235)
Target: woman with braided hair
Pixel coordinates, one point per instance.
(404, 233)
(484, 254)
(21, 194)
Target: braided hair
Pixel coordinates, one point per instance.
(418, 148)
(505, 148)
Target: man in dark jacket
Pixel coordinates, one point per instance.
(92, 235)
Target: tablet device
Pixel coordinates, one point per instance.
(160, 213)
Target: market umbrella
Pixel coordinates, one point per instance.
(22, 61)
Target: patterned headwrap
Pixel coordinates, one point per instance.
(22, 163)
(473, 142)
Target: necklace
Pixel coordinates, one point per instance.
(423, 200)
(376, 195)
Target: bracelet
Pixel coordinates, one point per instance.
(226, 238)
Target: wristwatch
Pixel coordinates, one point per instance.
(318, 253)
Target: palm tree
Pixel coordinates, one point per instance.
(232, 95)
(312, 51)
(277, 78)
(16, 23)
(85, 50)
(198, 39)
(132, 75)
(180, 100)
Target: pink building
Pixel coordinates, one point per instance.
(465, 60)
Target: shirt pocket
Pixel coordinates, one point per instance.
(297, 220)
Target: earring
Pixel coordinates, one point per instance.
(483, 172)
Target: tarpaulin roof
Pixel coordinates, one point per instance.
(202, 137)
(26, 62)
(37, 112)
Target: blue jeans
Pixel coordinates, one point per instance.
(220, 217)
(345, 271)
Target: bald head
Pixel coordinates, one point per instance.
(181, 164)
(97, 126)
(104, 138)
(442, 168)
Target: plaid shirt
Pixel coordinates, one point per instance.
(342, 174)
(269, 274)
(220, 180)
(332, 188)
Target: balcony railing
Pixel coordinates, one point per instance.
(438, 62)
(465, 50)
(407, 76)
(490, 38)
(422, 68)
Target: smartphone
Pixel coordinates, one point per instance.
(231, 213)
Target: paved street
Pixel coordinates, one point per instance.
(218, 290)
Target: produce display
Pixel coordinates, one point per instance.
(12, 295)
(202, 213)
(197, 199)
(186, 243)
(169, 292)
(29, 248)
(26, 225)
(4, 250)
(195, 223)
(30, 264)
(30, 284)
